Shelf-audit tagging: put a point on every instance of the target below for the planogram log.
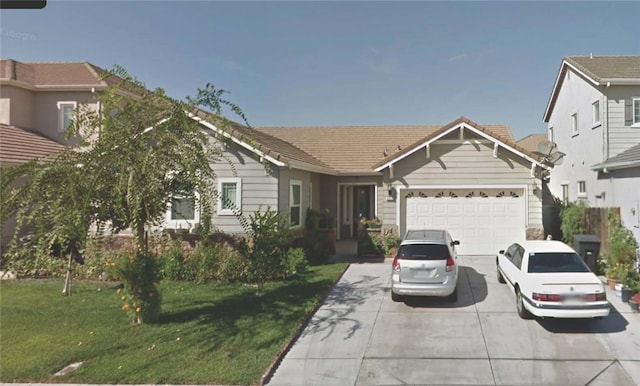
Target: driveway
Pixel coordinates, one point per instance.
(360, 337)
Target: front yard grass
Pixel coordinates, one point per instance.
(213, 333)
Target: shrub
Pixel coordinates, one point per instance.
(269, 239)
(573, 220)
(172, 262)
(391, 242)
(295, 262)
(26, 259)
(140, 297)
(201, 265)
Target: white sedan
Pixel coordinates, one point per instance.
(549, 279)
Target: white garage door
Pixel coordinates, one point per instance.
(484, 225)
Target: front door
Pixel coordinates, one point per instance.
(361, 205)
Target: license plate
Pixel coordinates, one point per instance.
(573, 298)
(423, 273)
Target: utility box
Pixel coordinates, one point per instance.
(588, 247)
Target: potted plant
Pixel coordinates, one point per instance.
(634, 302)
(374, 223)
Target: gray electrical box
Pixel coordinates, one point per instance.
(588, 247)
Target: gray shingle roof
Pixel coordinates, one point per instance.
(19, 146)
(629, 158)
(600, 68)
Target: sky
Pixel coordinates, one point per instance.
(326, 63)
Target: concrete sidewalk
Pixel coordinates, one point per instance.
(360, 337)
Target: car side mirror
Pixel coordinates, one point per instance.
(501, 252)
(455, 242)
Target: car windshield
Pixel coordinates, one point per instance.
(556, 262)
(423, 252)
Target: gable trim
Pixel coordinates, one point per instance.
(558, 84)
(245, 145)
(461, 126)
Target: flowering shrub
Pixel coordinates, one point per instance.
(371, 223)
(139, 295)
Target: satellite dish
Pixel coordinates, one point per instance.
(546, 147)
(556, 158)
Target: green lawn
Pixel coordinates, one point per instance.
(217, 333)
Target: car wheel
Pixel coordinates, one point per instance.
(500, 277)
(395, 297)
(522, 312)
(454, 296)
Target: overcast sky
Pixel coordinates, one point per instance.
(303, 63)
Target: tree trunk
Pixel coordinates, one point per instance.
(66, 291)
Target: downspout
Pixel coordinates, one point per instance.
(605, 118)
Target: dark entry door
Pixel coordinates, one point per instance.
(361, 205)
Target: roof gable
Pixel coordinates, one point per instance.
(597, 70)
(461, 123)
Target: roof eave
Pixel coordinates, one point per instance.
(603, 166)
(621, 81)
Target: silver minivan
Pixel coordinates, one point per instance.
(426, 265)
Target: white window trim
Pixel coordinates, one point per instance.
(229, 212)
(564, 198)
(596, 119)
(293, 183)
(551, 134)
(633, 112)
(61, 106)
(574, 128)
(183, 224)
(582, 193)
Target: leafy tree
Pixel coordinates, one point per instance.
(134, 156)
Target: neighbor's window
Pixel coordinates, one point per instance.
(582, 188)
(636, 111)
(295, 193)
(565, 193)
(229, 196)
(574, 124)
(65, 115)
(596, 113)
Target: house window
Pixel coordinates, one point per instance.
(582, 188)
(229, 196)
(551, 134)
(65, 115)
(574, 124)
(596, 113)
(565, 194)
(182, 209)
(295, 190)
(183, 213)
(636, 111)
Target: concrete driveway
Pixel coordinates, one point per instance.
(360, 337)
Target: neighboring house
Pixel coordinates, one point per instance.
(18, 146)
(474, 180)
(593, 115)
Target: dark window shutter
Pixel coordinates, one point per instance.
(628, 112)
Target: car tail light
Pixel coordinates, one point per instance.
(546, 297)
(599, 297)
(396, 264)
(451, 264)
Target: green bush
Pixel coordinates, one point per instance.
(26, 259)
(201, 265)
(140, 297)
(295, 262)
(232, 266)
(574, 220)
(391, 242)
(172, 262)
(265, 249)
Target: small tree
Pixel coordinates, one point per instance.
(135, 155)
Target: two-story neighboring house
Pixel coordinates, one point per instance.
(593, 115)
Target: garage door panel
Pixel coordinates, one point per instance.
(483, 225)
